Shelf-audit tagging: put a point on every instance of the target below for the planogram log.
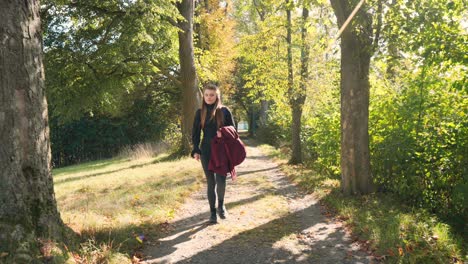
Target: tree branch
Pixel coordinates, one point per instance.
(375, 44)
(261, 14)
(166, 73)
(98, 9)
(108, 29)
(171, 21)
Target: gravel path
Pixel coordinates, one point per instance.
(269, 221)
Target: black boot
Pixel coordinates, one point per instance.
(213, 217)
(222, 210)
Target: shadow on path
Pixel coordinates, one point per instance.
(299, 234)
(262, 244)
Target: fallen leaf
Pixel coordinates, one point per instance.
(400, 251)
(390, 252)
(3, 254)
(135, 260)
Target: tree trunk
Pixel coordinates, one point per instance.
(251, 116)
(356, 47)
(393, 52)
(298, 98)
(190, 94)
(263, 114)
(295, 95)
(289, 47)
(28, 208)
(207, 5)
(197, 29)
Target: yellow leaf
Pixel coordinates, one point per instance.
(400, 251)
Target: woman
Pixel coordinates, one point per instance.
(212, 116)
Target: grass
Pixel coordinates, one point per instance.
(385, 226)
(111, 203)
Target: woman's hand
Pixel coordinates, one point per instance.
(218, 133)
(196, 156)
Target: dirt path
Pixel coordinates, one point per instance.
(269, 221)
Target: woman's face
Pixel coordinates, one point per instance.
(209, 96)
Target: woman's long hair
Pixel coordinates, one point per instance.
(217, 112)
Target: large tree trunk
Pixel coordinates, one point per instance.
(190, 94)
(356, 47)
(27, 203)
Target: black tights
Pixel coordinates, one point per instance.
(214, 180)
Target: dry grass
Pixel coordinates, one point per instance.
(144, 150)
(112, 202)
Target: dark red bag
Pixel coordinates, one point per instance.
(235, 148)
(227, 152)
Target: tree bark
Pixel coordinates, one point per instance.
(289, 47)
(190, 94)
(356, 48)
(253, 117)
(263, 113)
(28, 208)
(298, 97)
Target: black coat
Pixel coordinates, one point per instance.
(209, 131)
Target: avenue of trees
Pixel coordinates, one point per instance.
(384, 108)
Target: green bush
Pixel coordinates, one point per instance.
(321, 141)
(418, 140)
(148, 119)
(277, 130)
(419, 145)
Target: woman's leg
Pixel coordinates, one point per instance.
(211, 183)
(220, 190)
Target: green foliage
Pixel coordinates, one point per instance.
(321, 140)
(147, 119)
(321, 126)
(263, 61)
(429, 29)
(100, 51)
(418, 119)
(261, 70)
(107, 65)
(419, 143)
(215, 44)
(112, 69)
(276, 131)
